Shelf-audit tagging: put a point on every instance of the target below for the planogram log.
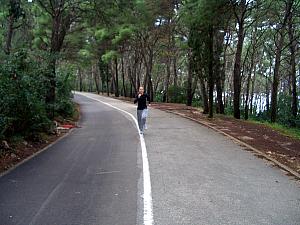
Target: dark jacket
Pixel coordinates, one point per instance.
(142, 101)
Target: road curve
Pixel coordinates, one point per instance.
(198, 177)
(90, 177)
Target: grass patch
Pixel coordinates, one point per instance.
(288, 131)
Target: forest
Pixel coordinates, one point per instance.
(240, 58)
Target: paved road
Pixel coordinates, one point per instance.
(91, 177)
(198, 177)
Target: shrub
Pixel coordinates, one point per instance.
(22, 96)
(23, 82)
(63, 105)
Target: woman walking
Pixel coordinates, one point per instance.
(142, 112)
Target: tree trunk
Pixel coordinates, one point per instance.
(204, 96)
(211, 80)
(252, 92)
(150, 88)
(132, 82)
(116, 80)
(246, 112)
(80, 79)
(60, 25)
(237, 72)
(107, 79)
(96, 79)
(293, 47)
(50, 95)
(218, 73)
(237, 63)
(123, 78)
(278, 52)
(167, 82)
(267, 95)
(175, 79)
(268, 87)
(221, 109)
(148, 78)
(10, 31)
(276, 79)
(189, 90)
(253, 65)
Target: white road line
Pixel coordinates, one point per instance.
(148, 214)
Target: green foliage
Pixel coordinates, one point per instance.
(177, 94)
(23, 109)
(123, 34)
(109, 55)
(285, 117)
(102, 34)
(22, 102)
(63, 106)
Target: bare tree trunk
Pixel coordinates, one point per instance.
(175, 78)
(167, 82)
(220, 96)
(10, 31)
(132, 82)
(293, 47)
(237, 73)
(80, 79)
(276, 79)
(148, 78)
(189, 90)
(217, 71)
(123, 77)
(211, 80)
(204, 96)
(268, 87)
(96, 78)
(278, 52)
(246, 110)
(137, 73)
(116, 80)
(169, 61)
(156, 84)
(237, 63)
(267, 95)
(107, 79)
(252, 92)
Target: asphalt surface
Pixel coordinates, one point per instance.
(90, 177)
(198, 176)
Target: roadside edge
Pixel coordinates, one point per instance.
(35, 154)
(282, 166)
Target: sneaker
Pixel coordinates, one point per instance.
(141, 132)
(145, 127)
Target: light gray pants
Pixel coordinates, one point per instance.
(141, 121)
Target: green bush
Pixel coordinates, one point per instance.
(22, 96)
(177, 94)
(23, 110)
(63, 105)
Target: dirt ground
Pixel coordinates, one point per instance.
(284, 149)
